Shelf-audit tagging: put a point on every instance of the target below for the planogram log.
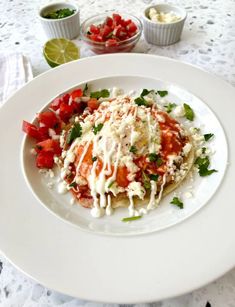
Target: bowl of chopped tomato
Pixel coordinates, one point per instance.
(111, 32)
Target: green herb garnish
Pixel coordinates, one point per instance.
(146, 181)
(94, 159)
(189, 114)
(61, 13)
(145, 92)
(203, 164)
(133, 218)
(73, 185)
(111, 183)
(169, 107)
(208, 136)
(154, 177)
(203, 150)
(133, 149)
(74, 133)
(97, 128)
(140, 101)
(85, 89)
(177, 202)
(100, 94)
(159, 161)
(162, 93)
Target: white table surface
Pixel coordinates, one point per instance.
(208, 41)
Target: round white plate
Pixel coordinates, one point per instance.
(165, 215)
(123, 269)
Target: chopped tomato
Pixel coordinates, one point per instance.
(48, 118)
(94, 29)
(76, 93)
(43, 133)
(106, 31)
(112, 42)
(65, 98)
(66, 111)
(109, 22)
(131, 27)
(171, 143)
(30, 130)
(56, 103)
(121, 177)
(117, 18)
(96, 37)
(49, 145)
(45, 159)
(93, 104)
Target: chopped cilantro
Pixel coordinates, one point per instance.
(189, 114)
(111, 183)
(208, 136)
(133, 149)
(94, 159)
(133, 218)
(203, 164)
(146, 181)
(97, 128)
(145, 92)
(103, 93)
(73, 185)
(203, 150)
(153, 157)
(154, 177)
(140, 101)
(162, 93)
(159, 161)
(85, 89)
(169, 107)
(60, 13)
(74, 133)
(177, 202)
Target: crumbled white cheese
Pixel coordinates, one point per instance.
(186, 149)
(179, 111)
(135, 189)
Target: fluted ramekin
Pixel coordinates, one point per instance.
(68, 27)
(163, 34)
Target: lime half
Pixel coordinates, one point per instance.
(58, 51)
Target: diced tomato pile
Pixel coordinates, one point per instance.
(50, 123)
(113, 30)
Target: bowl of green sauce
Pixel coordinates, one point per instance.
(60, 20)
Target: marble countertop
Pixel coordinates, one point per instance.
(208, 41)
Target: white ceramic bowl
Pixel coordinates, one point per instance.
(68, 27)
(163, 34)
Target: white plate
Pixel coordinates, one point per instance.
(165, 215)
(140, 268)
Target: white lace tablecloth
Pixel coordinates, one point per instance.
(208, 41)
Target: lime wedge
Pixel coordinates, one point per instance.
(58, 51)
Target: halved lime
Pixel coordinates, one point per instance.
(58, 51)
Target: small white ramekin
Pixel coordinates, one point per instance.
(163, 34)
(68, 27)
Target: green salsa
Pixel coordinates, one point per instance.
(58, 14)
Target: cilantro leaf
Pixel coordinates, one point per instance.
(177, 202)
(162, 93)
(189, 114)
(111, 183)
(140, 101)
(146, 181)
(133, 149)
(208, 136)
(94, 159)
(74, 133)
(159, 161)
(133, 218)
(169, 107)
(203, 164)
(154, 177)
(100, 94)
(85, 89)
(145, 92)
(73, 185)
(97, 128)
(153, 157)
(203, 150)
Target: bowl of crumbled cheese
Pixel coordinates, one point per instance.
(163, 24)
